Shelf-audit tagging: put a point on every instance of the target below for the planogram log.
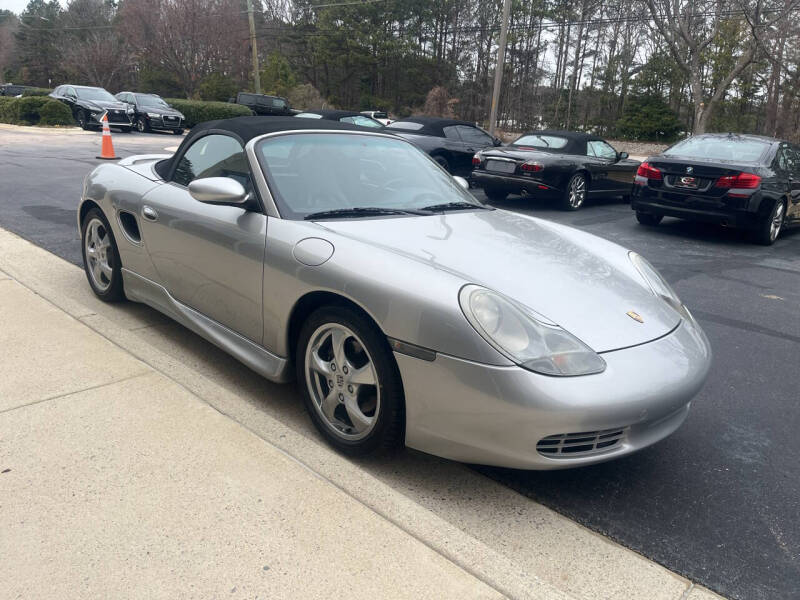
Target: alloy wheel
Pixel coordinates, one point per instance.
(342, 381)
(777, 221)
(577, 191)
(97, 244)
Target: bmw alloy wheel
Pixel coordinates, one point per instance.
(342, 381)
(776, 221)
(97, 245)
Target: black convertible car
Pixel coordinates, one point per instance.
(562, 164)
(746, 181)
(449, 142)
(89, 103)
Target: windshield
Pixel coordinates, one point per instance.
(551, 142)
(148, 100)
(315, 172)
(720, 148)
(362, 121)
(96, 94)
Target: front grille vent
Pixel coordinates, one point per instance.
(567, 445)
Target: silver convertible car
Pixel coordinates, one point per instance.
(408, 312)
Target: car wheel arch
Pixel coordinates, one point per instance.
(85, 207)
(312, 301)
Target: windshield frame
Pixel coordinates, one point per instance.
(265, 189)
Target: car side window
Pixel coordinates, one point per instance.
(473, 135)
(214, 156)
(782, 160)
(451, 133)
(70, 92)
(601, 149)
(794, 168)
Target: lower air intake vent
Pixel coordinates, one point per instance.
(567, 445)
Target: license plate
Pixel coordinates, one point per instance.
(686, 182)
(501, 166)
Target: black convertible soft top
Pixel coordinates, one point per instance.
(430, 125)
(245, 129)
(576, 140)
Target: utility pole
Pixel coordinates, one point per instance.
(498, 70)
(256, 73)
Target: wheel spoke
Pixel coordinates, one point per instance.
(359, 419)
(97, 272)
(329, 404)
(363, 376)
(105, 269)
(317, 364)
(338, 338)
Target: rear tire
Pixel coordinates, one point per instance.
(648, 219)
(442, 162)
(101, 257)
(352, 389)
(495, 195)
(769, 226)
(575, 194)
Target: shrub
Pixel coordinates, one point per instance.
(34, 91)
(27, 109)
(217, 87)
(648, 118)
(197, 111)
(54, 112)
(6, 104)
(306, 97)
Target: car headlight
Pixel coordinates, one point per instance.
(658, 285)
(529, 340)
(129, 109)
(153, 115)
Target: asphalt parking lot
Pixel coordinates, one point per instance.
(718, 501)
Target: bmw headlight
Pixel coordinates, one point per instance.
(529, 340)
(658, 285)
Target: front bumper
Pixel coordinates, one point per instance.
(514, 184)
(491, 415)
(114, 119)
(166, 124)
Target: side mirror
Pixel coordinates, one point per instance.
(461, 181)
(622, 155)
(218, 190)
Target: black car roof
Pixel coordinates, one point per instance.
(430, 125)
(247, 128)
(576, 140)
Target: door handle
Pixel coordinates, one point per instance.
(149, 213)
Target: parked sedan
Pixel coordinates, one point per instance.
(449, 142)
(89, 104)
(349, 260)
(342, 116)
(566, 165)
(744, 181)
(151, 112)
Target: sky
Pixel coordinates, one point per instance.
(17, 6)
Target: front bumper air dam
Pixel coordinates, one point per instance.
(491, 415)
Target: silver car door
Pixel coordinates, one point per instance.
(209, 257)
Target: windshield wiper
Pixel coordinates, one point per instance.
(454, 206)
(358, 211)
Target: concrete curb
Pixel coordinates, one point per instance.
(600, 568)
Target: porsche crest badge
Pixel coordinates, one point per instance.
(635, 316)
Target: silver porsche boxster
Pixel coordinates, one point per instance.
(408, 312)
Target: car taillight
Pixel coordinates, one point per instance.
(532, 167)
(476, 160)
(742, 181)
(648, 171)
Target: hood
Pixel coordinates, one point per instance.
(171, 112)
(582, 282)
(106, 105)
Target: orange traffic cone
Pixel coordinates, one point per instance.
(107, 151)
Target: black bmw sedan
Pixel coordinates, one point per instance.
(152, 112)
(745, 181)
(566, 165)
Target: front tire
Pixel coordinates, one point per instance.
(83, 123)
(648, 219)
(769, 227)
(142, 126)
(101, 257)
(350, 382)
(178, 131)
(575, 194)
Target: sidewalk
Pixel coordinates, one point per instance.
(138, 462)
